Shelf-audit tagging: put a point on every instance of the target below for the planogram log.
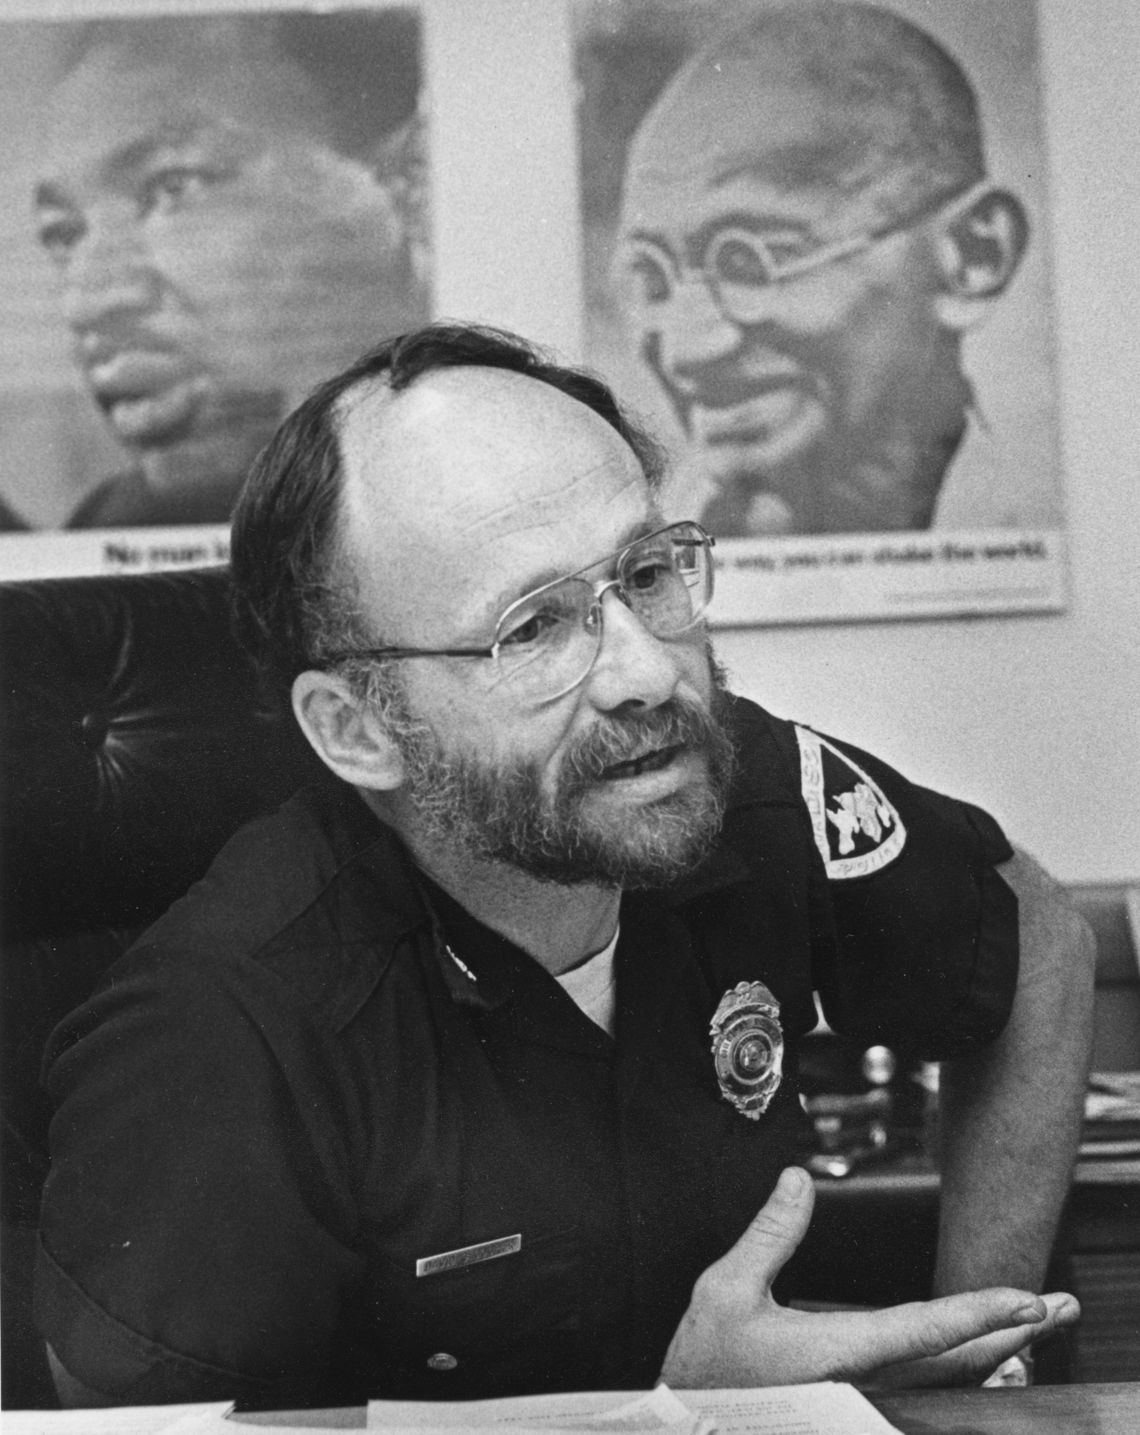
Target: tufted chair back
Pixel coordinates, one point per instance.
(132, 745)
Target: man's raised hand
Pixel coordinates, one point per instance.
(734, 1334)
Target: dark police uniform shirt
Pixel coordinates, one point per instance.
(290, 1092)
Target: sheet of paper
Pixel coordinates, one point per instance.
(824, 1408)
(530, 1409)
(118, 1420)
(600, 1412)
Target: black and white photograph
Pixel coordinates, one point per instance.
(202, 215)
(569, 694)
(816, 248)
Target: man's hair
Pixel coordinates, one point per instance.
(363, 66)
(904, 119)
(295, 589)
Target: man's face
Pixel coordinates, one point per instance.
(809, 411)
(215, 255)
(503, 484)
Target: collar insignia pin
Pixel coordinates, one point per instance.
(463, 967)
(748, 1047)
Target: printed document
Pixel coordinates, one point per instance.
(822, 1408)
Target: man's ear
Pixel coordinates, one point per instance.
(347, 734)
(978, 248)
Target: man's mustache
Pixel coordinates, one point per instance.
(725, 381)
(677, 723)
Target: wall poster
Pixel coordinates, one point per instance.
(203, 215)
(816, 258)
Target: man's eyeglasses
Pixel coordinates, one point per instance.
(546, 642)
(739, 265)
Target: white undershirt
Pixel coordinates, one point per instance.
(591, 985)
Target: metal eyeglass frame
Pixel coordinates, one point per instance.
(777, 272)
(698, 538)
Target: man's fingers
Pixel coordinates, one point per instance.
(972, 1362)
(923, 1329)
(776, 1229)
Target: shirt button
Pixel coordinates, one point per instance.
(442, 1361)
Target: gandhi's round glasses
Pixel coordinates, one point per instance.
(546, 642)
(739, 264)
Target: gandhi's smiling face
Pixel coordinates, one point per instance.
(783, 386)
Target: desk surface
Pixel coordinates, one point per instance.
(1043, 1410)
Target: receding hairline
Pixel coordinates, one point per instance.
(481, 386)
(345, 555)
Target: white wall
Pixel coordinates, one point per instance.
(1036, 717)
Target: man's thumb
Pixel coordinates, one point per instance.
(778, 1227)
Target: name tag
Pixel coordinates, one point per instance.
(468, 1256)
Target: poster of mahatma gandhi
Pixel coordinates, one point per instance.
(203, 216)
(817, 260)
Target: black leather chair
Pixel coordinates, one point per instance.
(133, 744)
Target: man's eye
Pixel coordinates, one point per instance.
(782, 253)
(649, 574)
(58, 234)
(168, 190)
(737, 257)
(526, 631)
(739, 261)
(649, 279)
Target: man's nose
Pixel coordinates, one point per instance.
(697, 330)
(110, 271)
(633, 668)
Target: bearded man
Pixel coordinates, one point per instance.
(414, 1095)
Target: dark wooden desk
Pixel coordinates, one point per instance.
(1044, 1410)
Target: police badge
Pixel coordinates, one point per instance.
(748, 1047)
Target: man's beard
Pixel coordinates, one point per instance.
(499, 812)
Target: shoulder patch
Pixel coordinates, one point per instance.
(857, 829)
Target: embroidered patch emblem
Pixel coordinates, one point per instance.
(748, 1047)
(857, 829)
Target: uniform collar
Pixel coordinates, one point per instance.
(480, 967)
